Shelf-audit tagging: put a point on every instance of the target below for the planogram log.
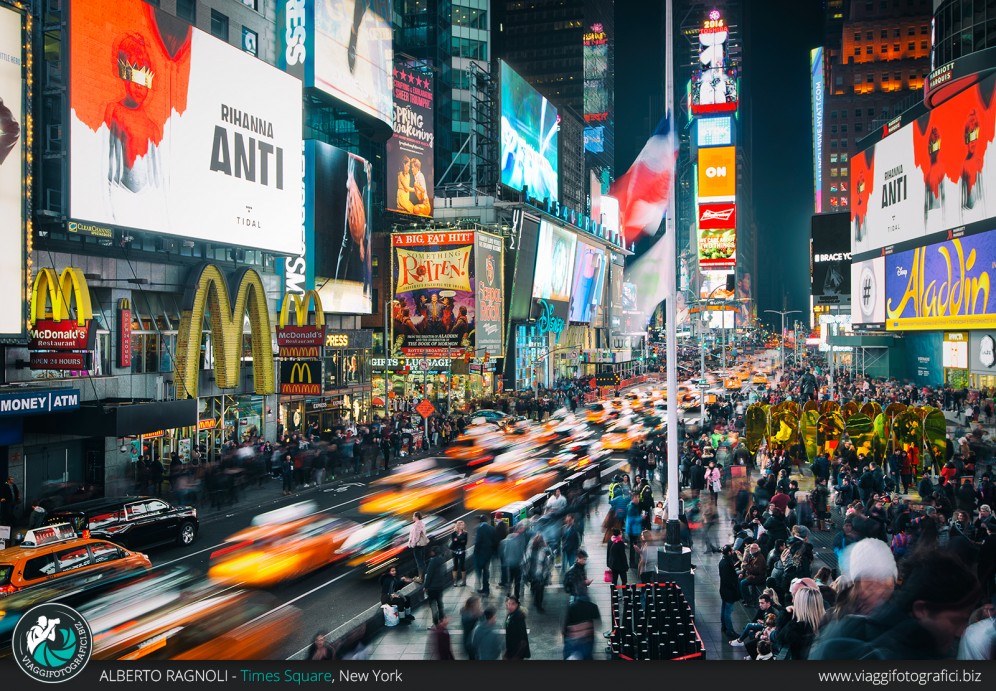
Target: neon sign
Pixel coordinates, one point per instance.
(548, 322)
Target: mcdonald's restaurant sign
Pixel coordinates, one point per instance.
(302, 377)
(301, 340)
(51, 325)
(208, 290)
(124, 333)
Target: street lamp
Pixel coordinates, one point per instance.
(784, 313)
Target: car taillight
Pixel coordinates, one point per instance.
(7, 590)
(86, 534)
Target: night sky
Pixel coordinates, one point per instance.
(776, 42)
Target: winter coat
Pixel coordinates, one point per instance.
(616, 558)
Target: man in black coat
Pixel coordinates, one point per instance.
(729, 590)
(516, 634)
(696, 477)
(485, 543)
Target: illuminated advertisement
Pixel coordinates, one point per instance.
(409, 150)
(610, 217)
(342, 47)
(947, 285)
(929, 175)
(597, 95)
(529, 127)
(589, 282)
(745, 297)
(714, 86)
(554, 263)
(713, 286)
(717, 236)
(594, 139)
(955, 350)
(11, 175)
(816, 80)
(718, 172)
(868, 286)
(831, 257)
(338, 222)
(434, 308)
(175, 131)
(716, 131)
(489, 273)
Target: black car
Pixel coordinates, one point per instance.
(133, 522)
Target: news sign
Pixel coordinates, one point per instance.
(174, 131)
(928, 176)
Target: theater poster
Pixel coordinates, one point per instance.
(434, 312)
(410, 173)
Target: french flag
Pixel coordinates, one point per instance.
(644, 190)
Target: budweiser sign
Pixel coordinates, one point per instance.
(717, 215)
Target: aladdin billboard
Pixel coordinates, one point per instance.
(927, 176)
(434, 312)
(410, 150)
(947, 285)
(177, 132)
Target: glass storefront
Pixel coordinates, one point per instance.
(531, 351)
(983, 381)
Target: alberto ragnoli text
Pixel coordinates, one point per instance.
(291, 676)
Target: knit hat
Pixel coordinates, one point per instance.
(871, 560)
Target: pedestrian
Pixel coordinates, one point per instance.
(579, 629)
(435, 583)
(615, 557)
(287, 474)
(10, 498)
(513, 548)
(319, 648)
(458, 549)
(537, 564)
(391, 585)
(516, 634)
(417, 542)
(470, 616)
(729, 590)
(486, 642)
(576, 579)
(442, 648)
(570, 543)
(485, 543)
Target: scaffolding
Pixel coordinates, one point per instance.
(478, 175)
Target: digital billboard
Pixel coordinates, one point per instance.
(868, 286)
(929, 175)
(594, 139)
(947, 285)
(435, 301)
(718, 172)
(489, 275)
(714, 86)
(717, 236)
(174, 131)
(589, 282)
(339, 220)
(529, 127)
(554, 263)
(12, 249)
(816, 82)
(716, 131)
(342, 47)
(597, 96)
(831, 257)
(410, 150)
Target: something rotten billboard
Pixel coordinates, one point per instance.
(947, 285)
(489, 273)
(927, 176)
(434, 308)
(175, 131)
(409, 151)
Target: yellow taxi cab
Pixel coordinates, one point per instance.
(621, 438)
(759, 379)
(617, 403)
(476, 446)
(597, 413)
(732, 383)
(491, 488)
(635, 400)
(279, 546)
(47, 554)
(417, 486)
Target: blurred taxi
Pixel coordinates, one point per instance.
(732, 383)
(382, 544)
(759, 379)
(617, 403)
(280, 546)
(417, 486)
(173, 617)
(502, 483)
(635, 400)
(53, 552)
(597, 413)
(622, 435)
(476, 446)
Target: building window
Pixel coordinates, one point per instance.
(843, 129)
(858, 79)
(857, 36)
(251, 4)
(923, 45)
(833, 172)
(833, 143)
(187, 9)
(843, 158)
(858, 127)
(911, 31)
(871, 78)
(870, 35)
(250, 41)
(884, 49)
(857, 112)
(896, 33)
(833, 158)
(911, 46)
(885, 77)
(833, 129)
(843, 172)
(869, 50)
(833, 114)
(896, 47)
(899, 78)
(885, 33)
(925, 30)
(219, 25)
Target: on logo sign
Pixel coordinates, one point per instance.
(716, 172)
(296, 31)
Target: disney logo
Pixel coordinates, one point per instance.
(548, 321)
(901, 271)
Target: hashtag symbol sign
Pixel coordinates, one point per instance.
(866, 289)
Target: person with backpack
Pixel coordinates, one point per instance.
(576, 579)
